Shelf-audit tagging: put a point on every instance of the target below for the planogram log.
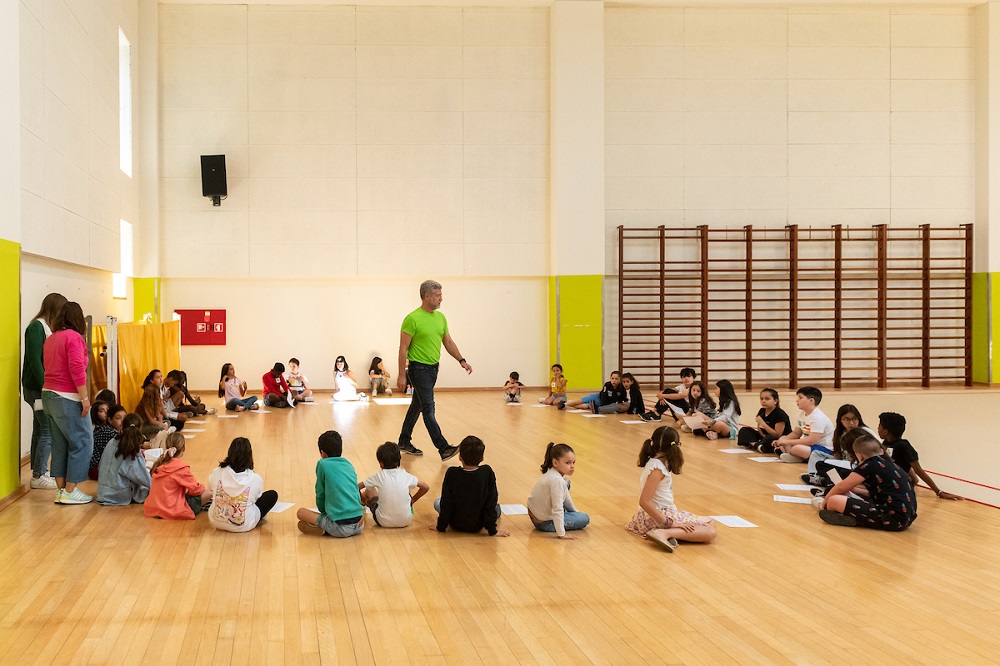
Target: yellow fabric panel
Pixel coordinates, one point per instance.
(98, 362)
(141, 348)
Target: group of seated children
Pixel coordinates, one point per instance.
(166, 404)
(861, 477)
(469, 500)
(281, 391)
(619, 395)
(701, 415)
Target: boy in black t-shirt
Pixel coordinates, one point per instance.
(468, 501)
(612, 393)
(891, 503)
(891, 427)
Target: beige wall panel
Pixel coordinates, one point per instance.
(278, 161)
(833, 127)
(838, 160)
(505, 62)
(645, 95)
(188, 92)
(320, 61)
(410, 161)
(397, 25)
(216, 226)
(750, 96)
(736, 218)
(105, 206)
(205, 60)
(33, 156)
(301, 25)
(506, 193)
(300, 94)
(736, 160)
(409, 194)
(490, 226)
(508, 260)
(722, 28)
(829, 29)
(291, 194)
(735, 193)
(394, 227)
(736, 62)
(640, 160)
(839, 95)
(861, 217)
(203, 24)
(510, 95)
(838, 192)
(185, 194)
(303, 260)
(934, 160)
(933, 29)
(65, 131)
(302, 127)
(936, 216)
(202, 126)
(933, 95)
(409, 62)
(934, 192)
(63, 78)
(182, 259)
(505, 128)
(105, 249)
(66, 184)
(505, 27)
(644, 193)
(410, 95)
(932, 63)
(736, 128)
(933, 128)
(409, 128)
(653, 27)
(643, 128)
(323, 227)
(643, 62)
(441, 259)
(506, 161)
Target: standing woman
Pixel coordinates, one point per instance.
(32, 377)
(67, 403)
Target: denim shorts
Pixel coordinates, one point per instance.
(339, 529)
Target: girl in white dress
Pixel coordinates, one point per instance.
(347, 385)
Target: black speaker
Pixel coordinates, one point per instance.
(213, 177)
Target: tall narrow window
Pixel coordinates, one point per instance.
(125, 102)
(119, 281)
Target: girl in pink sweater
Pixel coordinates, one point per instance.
(66, 402)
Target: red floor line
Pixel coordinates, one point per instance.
(955, 478)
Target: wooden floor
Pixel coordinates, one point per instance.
(96, 584)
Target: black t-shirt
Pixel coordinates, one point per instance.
(469, 500)
(903, 453)
(889, 488)
(636, 405)
(776, 416)
(611, 395)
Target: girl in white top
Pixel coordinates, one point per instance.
(234, 391)
(549, 506)
(347, 385)
(658, 518)
(239, 501)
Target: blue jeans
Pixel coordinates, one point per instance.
(41, 440)
(246, 402)
(572, 520)
(593, 397)
(422, 378)
(72, 437)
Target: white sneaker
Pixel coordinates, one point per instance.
(43, 482)
(75, 497)
(388, 391)
(789, 458)
(212, 411)
(817, 502)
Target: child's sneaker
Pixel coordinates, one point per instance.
(685, 428)
(712, 435)
(818, 492)
(75, 497)
(59, 495)
(388, 391)
(789, 458)
(561, 404)
(541, 401)
(593, 406)
(817, 503)
(43, 482)
(837, 518)
(212, 411)
(660, 537)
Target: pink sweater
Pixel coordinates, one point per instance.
(64, 356)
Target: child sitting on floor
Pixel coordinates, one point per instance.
(700, 405)
(772, 423)
(276, 392)
(726, 422)
(468, 501)
(848, 418)
(891, 427)
(337, 498)
(107, 420)
(550, 507)
(557, 388)
(658, 518)
(512, 388)
(891, 503)
(677, 397)
(174, 493)
(123, 477)
(387, 492)
(814, 430)
(239, 501)
(379, 377)
(234, 391)
(298, 383)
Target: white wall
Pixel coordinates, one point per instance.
(495, 323)
(777, 116)
(73, 193)
(359, 141)
(10, 221)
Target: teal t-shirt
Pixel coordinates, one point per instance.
(337, 489)
(427, 330)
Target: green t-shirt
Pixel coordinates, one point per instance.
(427, 330)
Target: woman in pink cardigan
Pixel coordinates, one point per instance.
(67, 403)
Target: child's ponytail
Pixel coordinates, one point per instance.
(664, 444)
(130, 441)
(554, 452)
(174, 449)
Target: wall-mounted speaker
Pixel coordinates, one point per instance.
(213, 178)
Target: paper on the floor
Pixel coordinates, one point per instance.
(764, 459)
(187, 436)
(193, 421)
(595, 416)
(541, 405)
(735, 451)
(513, 404)
(694, 422)
(733, 521)
(792, 500)
(391, 401)
(577, 411)
(259, 411)
(314, 509)
(193, 429)
(632, 422)
(514, 509)
(795, 486)
(282, 506)
(675, 409)
(226, 416)
(311, 402)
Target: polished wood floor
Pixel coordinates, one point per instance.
(92, 584)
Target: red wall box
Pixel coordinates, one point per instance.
(203, 327)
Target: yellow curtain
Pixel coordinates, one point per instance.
(142, 347)
(98, 363)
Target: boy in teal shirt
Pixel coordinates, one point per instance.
(337, 498)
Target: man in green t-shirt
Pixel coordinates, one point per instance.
(420, 338)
